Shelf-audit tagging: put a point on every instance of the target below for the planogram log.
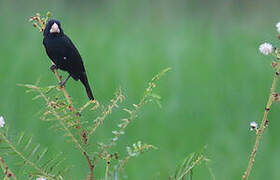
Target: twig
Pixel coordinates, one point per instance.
(63, 89)
(69, 133)
(6, 169)
(66, 95)
(133, 112)
(263, 125)
(108, 162)
(99, 120)
(90, 166)
(200, 158)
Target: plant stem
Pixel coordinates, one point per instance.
(62, 88)
(69, 133)
(200, 158)
(99, 120)
(263, 125)
(6, 169)
(107, 167)
(106, 171)
(66, 95)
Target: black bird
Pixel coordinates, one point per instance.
(64, 54)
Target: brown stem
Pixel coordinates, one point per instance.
(6, 169)
(90, 166)
(199, 159)
(62, 88)
(66, 95)
(69, 133)
(263, 123)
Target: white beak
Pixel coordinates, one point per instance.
(54, 28)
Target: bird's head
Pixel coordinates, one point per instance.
(53, 27)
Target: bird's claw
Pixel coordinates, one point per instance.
(96, 104)
(53, 67)
(62, 84)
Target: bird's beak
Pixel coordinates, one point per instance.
(54, 28)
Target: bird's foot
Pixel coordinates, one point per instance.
(62, 84)
(96, 104)
(53, 67)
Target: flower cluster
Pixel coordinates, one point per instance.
(2, 122)
(267, 48)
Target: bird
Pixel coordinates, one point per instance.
(64, 55)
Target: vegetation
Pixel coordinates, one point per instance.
(218, 84)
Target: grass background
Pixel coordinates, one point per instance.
(218, 84)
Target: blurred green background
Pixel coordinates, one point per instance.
(218, 84)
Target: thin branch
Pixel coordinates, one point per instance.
(99, 120)
(200, 158)
(107, 170)
(264, 122)
(136, 107)
(69, 133)
(67, 97)
(6, 170)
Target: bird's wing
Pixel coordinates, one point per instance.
(73, 57)
(71, 48)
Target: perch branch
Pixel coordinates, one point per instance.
(58, 77)
(69, 133)
(67, 97)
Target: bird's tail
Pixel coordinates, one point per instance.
(84, 80)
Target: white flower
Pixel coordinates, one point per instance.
(115, 138)
(41, 178)
(2, 121)
(278, 27)
(253, 125)
(266, 48)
